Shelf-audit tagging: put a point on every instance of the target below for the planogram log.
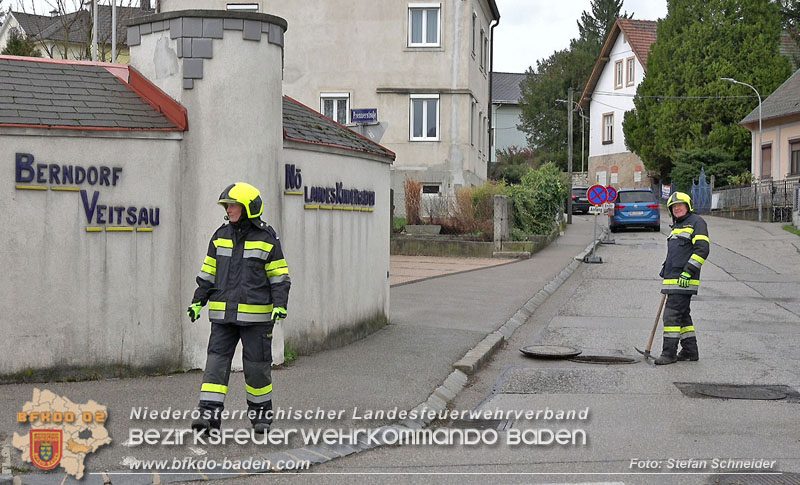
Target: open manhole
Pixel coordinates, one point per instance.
(752, 392)
(550, 351)
(602, 359)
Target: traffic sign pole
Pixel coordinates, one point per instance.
(597, 195)
(612, 196)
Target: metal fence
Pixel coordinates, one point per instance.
(777, 197)
(774, 193)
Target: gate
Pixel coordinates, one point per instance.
(701, 194)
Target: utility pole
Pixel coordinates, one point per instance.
(569, 156)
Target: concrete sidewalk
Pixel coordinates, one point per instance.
(433, 323)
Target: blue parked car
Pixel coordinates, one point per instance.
(635, 208)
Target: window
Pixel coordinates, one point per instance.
(424, 117)
(483, 50)
(766, 162)
(614, 174)
(431, 189)
(472, 122)
(335, 106)
(794, 150)
(629, 76)
(474, 31)
(253, 7)
(486, 50)
(608, 128)
(618, 74)
(423, 24)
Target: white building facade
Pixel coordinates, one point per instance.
(608, 95)
(421, 69)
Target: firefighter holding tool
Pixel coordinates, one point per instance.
(245, 281)
(687, 249)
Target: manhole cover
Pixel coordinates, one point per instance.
(602, 359)
(750, 477)
(496, 424)
(550, 351)
(755, 393)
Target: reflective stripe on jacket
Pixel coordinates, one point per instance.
(244, 274)
(688, 246)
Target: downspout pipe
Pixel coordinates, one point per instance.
(491, 72)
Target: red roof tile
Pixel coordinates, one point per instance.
(640, 34)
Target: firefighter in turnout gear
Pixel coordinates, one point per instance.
(245, 281)
(687, 250)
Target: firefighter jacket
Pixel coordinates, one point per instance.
(244, 274)
(687, 249)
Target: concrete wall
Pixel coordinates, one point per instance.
(234, 132)
(339, 260)
(505, 119)
(73, 298)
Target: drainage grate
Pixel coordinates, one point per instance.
(550, 351)
(497, 424)
(602, 359)
(748, 477)
(753, 392)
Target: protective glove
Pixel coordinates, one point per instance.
(194, 311)
(278, 313)
(683, 281)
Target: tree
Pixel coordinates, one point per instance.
(544, 118)
(20, 45)
(791, 22)
(512, 163)
(681, 104)
(717, 162)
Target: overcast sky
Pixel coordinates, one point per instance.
(531, 30)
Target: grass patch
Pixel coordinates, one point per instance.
(289, 355)
(792, 229)
(398, 224)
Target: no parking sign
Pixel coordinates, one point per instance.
(597, 194)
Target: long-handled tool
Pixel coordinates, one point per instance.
(646, 353)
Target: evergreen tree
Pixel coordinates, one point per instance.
(544, 119)
(20, 45)
(699, 43)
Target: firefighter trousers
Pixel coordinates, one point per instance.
(678, 318)
(257, 364)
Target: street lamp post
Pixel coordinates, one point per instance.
(760, 150)
(569, 142)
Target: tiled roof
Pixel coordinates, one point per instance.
(81, 95)
(640, 34)
(79, 24)
(789, 48)
(303, 124)
(31, 23)
(784, 101)
(505, 87)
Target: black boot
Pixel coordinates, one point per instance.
(669, 352)
(209, 418)
(689, 350)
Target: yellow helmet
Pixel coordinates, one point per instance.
(679, 198)
(245, 194)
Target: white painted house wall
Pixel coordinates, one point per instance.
(619, 101)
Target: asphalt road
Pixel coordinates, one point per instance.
(641, 427)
